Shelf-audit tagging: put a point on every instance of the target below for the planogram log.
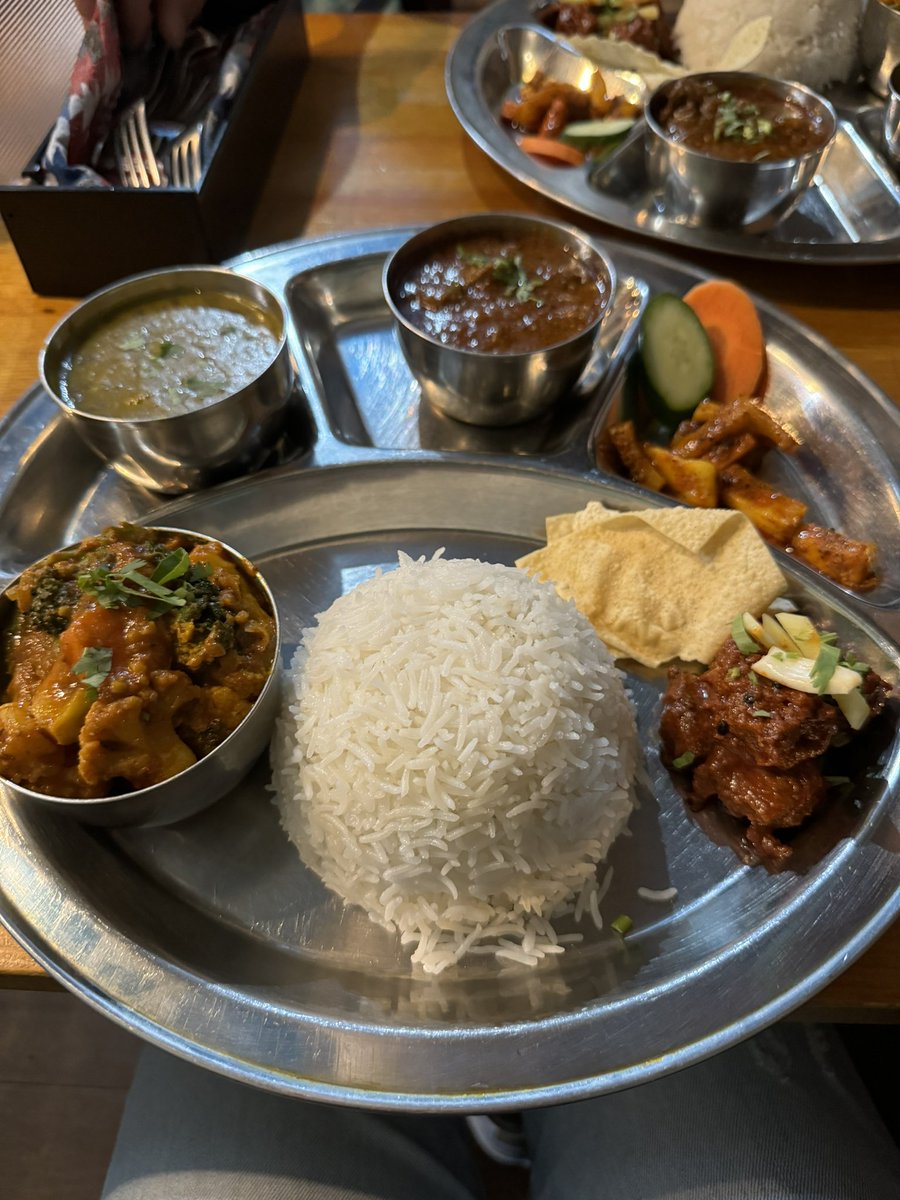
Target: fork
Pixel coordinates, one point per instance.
(185, 159)
(135, 159)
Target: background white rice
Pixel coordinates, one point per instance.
(810, 41)
(456, 754)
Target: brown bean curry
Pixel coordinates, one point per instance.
(501, 295)
(128, 657)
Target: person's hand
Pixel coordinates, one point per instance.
(172, 18)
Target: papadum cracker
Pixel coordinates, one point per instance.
(658, 583)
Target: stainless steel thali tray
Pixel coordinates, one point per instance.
(851, 213)
(210, 938)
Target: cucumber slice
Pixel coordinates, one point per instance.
(677, 357)
(594, 131)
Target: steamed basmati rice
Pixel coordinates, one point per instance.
(455, 755)
(811, 41)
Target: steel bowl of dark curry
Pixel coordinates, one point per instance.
(139, 676)
(178, 378)
(497, 314)
(734, 150)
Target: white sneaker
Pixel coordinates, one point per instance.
(501, 1138)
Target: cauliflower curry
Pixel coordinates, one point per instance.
(128, 657)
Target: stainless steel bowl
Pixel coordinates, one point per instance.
(188, 450)
(481, 388)
(201, 785)
(892, 117)
(879, 45)
(702, 190)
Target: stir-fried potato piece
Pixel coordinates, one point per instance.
(625, 440)
(841, 558)
(692, 480)
(706, 463)
(776, 516)
(741, 416)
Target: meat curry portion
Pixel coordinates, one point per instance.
(128, 658)
(754, 745)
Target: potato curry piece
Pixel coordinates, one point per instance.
(546, 106)
(128, 657)
(706, 464)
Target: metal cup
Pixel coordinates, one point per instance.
(188, 450)
(695, 188)
(478, 387)
(880, 45)
(211, 777)
(892, 117)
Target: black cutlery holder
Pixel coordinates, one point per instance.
(73, 240)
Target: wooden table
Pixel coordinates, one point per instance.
(373, 142)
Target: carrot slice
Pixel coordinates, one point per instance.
(544, 147)
(732, 324)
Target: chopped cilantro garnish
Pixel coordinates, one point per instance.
(739, 121)
(134, 341)
(172, 566)
(823, 668)
(203, 387)
(852, 663)
(130, 584)
(94, 665)
(508, 270)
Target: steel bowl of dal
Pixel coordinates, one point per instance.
(178, 378)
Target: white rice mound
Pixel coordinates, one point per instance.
(809, 41)
(455, 755)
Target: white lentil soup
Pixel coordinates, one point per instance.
(169, 356)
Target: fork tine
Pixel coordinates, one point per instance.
(137, 162)
(142, 135)
(127, 166)
(186, 159)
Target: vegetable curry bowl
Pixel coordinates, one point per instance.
(498, 314)
(139, 675)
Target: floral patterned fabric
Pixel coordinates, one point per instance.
(87, 112)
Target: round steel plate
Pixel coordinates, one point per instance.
(211, 939)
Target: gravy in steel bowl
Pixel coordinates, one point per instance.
(746, 122)
(168, 356)
(501, 295)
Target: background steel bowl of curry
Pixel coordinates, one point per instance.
(880, 44)
(178, 378)
(139, 676)
(497, 314)
(732, 149)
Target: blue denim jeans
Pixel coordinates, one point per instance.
(780, 1117)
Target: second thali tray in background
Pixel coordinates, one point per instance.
(211, 939)
(850, 214)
